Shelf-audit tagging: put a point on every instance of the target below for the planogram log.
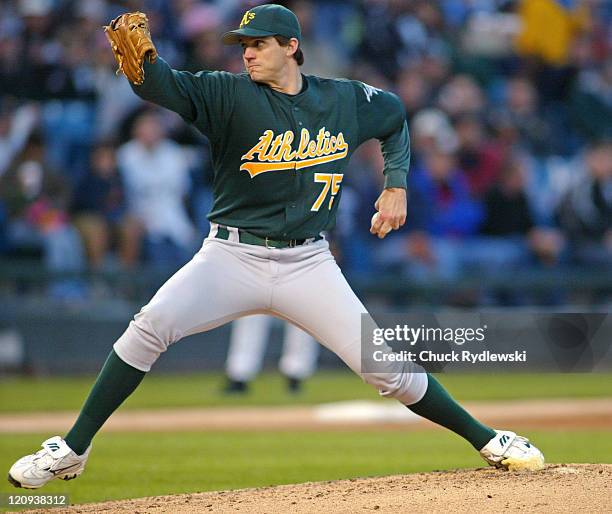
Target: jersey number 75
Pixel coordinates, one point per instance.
(329, 181)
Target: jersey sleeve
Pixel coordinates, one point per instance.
(204, 99)
(381, 115)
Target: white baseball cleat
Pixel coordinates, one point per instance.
(512, 452)
(55, 460)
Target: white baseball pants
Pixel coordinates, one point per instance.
(226, 280)
(248, 343)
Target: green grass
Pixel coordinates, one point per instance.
(125, 465)
(157, 391)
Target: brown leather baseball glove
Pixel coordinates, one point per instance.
(130, 41)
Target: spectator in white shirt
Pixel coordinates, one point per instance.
(155, 172)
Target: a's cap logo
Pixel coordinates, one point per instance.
(248, 16)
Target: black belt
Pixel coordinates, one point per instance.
(252, 239)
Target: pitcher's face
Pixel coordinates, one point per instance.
(264, 59)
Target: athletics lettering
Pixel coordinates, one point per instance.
(277, 150)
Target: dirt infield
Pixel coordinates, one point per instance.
(523, 414)
(558, 488)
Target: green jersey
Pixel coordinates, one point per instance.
(279, 159)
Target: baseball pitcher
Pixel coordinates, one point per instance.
(281, 143)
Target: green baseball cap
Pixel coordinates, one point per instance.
(265, 20)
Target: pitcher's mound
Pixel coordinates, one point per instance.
(558, 488)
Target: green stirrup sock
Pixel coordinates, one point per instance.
(114, 384)
(439, 406)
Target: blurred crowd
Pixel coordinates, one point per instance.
(509, 105)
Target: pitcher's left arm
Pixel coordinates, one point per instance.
(381, 115)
